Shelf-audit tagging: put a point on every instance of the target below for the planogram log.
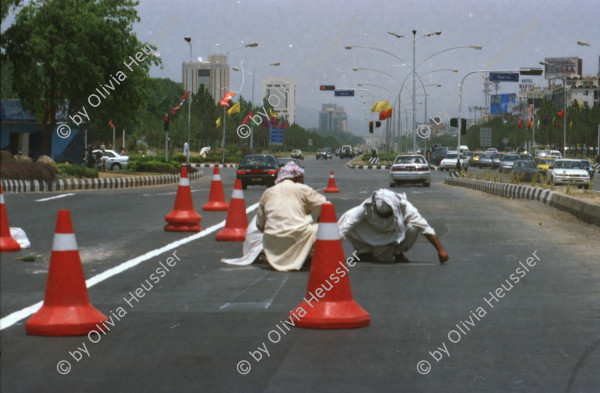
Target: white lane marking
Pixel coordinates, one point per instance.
(166, 193)
(16, 316)
(277, 291)
(54, 197)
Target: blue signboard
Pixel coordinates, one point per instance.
(504, 76)
(344, 93)
(502, 103)
(276, 136)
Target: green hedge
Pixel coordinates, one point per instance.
(78, 171)
(153, 166)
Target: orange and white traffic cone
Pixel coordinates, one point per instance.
(183, 218)
(67, 310)
(331, 186)
(237, 221)
(7, 243)
(216, 198)
(329, 303)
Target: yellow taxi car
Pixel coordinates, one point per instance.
(475, 158)
(544, 163)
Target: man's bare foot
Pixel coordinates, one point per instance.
(443, 257)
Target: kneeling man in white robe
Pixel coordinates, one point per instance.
(385, 226)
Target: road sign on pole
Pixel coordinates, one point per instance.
(276, 136)
(343, 93)
(504, 76)
(485, 136)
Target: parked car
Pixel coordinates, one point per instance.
(321, 154)
(544, 164)
(526, 169)
(297, 154)
(110, 159)
(588, 167)
(507, 162)
(410, 169)
(258, 169)
(567, 171)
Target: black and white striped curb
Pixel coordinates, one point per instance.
(597, 167)
(92, 184)
(585, 210)
(454, 174)
(374, 161)
(370, 166)
(214, 165)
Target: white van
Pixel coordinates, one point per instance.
(463, 148)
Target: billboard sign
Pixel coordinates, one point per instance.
(343, 93)
(502, 103)
(559, 67)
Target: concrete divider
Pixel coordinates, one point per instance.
(14, 186)
(587, 211)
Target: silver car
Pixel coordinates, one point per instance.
(112, 160)
(564, 171)
(508, 162)
(410, 169)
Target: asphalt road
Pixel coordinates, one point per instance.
(192, 328)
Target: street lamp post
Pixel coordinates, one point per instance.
(189, 41)
(564, 80)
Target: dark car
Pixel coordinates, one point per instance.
(496, 160)
(525, 169)
(258, 169)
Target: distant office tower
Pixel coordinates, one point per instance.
(213, 74)
(281, 94)
(332, 117)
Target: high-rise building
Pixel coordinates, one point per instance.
(213, 74)
(281, 94)
(332, 117)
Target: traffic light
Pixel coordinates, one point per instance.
(463, 126)
(166, 123)
(454, 122)
(531, 71)
(327, 87)
(377, 124)
(371, 127)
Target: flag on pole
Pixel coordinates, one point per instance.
(383, 115)
(251, 114)
(580, 106)
(571, 126)
(110, 124)
(218, 122)
(183, 98)
(561, 114)
(225, 101)
(380, 106)
(529, 124)
(285, 124)
(272, 114)
(520, 123)
(234, 109)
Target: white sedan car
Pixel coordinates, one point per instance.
(112, 160)
(410, 169)
(449, 161)
(564, 171)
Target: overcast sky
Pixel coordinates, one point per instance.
(308, 38)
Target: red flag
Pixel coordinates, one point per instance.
(382, 115)
(225, 101)
(285, 124)
(555, 123)
(529, 124)
(110, 124)
(520, 123)
(274, 121)
(389, 112)
(561, 114)
(251, 114)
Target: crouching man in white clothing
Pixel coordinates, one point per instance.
(385, 226)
